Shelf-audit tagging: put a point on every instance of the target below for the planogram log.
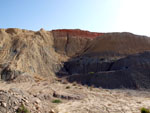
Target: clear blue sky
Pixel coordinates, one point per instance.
(93, 15)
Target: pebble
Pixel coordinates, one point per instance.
(3, 104)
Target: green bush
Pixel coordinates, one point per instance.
(90, 72)
(144, 110)
(56, 101)
(22, 109)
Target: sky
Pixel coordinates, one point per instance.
(93, 15)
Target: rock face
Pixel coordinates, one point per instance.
(105, 61)
(86, 57)
(27, 51)
(35, 68)
(117, 44)
(129, 72)
(38, 53)
(72, 42)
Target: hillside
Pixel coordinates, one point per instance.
(118, 44)
(49, 53)
(42, 64)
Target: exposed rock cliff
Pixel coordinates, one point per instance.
(72, 42)
(76, 52)
(35, 68)
(27, 51)
(117, 44)
(129, 72)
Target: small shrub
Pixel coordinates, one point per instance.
(91, 87)
(57, 101)
(90, 72)
(22, 109)
(67, 87)
(144, 110)
(74, 84)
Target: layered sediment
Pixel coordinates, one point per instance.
(118, 58)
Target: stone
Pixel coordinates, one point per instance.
(67, 96)
(4, 104)
(52, 111)
(37, 101)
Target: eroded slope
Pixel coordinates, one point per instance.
(28, 52)
(49, 53)
(30, 60)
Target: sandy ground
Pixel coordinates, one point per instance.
(83, 99)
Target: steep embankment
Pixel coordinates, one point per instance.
(83, 43)
(86, 57)
(72, 42)
(93, 63)
(117, 44)
(129, 72)
(37, 54)
(27, 52)
(30, 60)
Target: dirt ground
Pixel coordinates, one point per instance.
(75, 98)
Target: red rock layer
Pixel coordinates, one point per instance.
(76, 33)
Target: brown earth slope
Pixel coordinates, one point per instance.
(23, 51)
(117, 44)
(35, 68)
(72, 42)
(44, 53)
